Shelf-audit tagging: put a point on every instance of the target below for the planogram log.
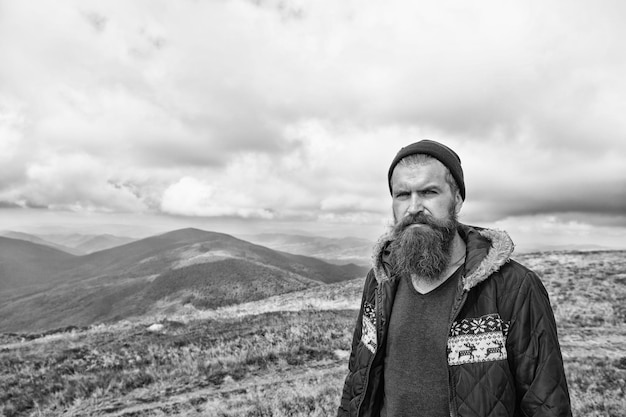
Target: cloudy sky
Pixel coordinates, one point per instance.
(137, 117)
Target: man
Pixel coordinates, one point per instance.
(449, 325)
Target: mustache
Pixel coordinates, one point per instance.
(420, 218)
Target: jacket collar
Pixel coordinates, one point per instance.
(487, 250)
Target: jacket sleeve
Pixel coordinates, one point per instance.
(348, 389)
(537, 364)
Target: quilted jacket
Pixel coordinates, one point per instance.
(503, 353)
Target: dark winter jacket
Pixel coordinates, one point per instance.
(503, 353)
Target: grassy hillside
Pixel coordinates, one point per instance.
(244, 366)
(286, 355)
(586, 288)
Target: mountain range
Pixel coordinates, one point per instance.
(43, 288)
(76, 244)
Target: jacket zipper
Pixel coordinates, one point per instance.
(371, 362)
(459, 303)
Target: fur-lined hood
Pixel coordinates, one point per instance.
(487, 250)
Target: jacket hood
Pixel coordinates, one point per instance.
(486, 251)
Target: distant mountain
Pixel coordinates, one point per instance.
(76, 244)
(102, 242)
(88, 243)
(188, 266)
(560, 248)
(36, 239)
(67, 239)
(337, 251)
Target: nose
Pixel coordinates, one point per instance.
(415, 205)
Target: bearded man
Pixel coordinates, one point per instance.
(449, 325)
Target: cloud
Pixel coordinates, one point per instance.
(574, 230)
(74, 182)
(8, 205)
(506, 179)
(193, 197)
(277, 110)
(327, 175)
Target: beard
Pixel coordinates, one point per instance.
(424, 250)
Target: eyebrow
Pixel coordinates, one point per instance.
(424, 187)
(405, 187)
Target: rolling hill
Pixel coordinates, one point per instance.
(149, 276)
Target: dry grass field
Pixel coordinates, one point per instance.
(287, 355)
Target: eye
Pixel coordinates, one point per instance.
(401, 194)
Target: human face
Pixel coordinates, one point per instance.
(422, 188)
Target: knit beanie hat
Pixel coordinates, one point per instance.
(438, 151)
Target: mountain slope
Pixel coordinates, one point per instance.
(325, 272)
(25, 264)
(225, 282)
